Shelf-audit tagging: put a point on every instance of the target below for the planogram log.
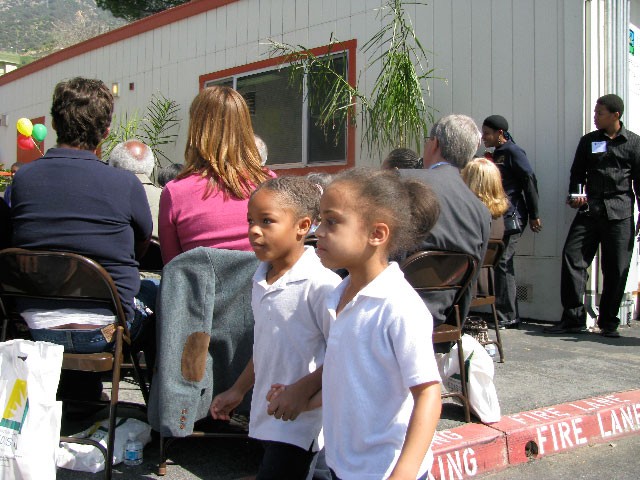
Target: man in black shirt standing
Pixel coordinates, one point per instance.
(606, 168)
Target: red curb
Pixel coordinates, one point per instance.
(467, 451)
(559, 428)
(472, 449)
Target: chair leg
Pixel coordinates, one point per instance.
(164, 447)
(113, 405)
(463, 381)
(497, 329)
(139, 374)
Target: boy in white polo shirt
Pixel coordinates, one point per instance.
(289, 289)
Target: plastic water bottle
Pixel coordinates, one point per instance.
(133, 450)
(491, 349)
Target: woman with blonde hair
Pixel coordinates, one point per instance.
(206, 204)
(483, 178)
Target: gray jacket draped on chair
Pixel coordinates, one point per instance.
(204, 334)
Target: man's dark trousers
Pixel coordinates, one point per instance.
(616, 238)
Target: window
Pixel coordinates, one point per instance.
(281, 114)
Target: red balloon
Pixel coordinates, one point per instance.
(25, 143)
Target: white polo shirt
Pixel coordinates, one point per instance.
(289, 343)
(379, 346)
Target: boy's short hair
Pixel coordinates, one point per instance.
(612, 102)
(81, 112)
(297, 193)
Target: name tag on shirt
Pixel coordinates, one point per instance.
(598, 147)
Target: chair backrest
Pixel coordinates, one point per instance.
(438, 270)
(60, 276)
(494, 252)
(311, 240)
(151, 261)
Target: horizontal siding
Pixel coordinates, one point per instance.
(519, 58)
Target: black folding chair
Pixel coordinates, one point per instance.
(71, 279)
(440, 271)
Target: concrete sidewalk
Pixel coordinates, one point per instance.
(557, 393)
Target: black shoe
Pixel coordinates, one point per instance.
(504, 324)
(562, 328)
(610, 333)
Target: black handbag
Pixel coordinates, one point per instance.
(512, 222)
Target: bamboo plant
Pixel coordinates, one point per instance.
(155, 128)
(395, 113)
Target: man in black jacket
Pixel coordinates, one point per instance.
(607, 167)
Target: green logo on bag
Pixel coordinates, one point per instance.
(17, 407)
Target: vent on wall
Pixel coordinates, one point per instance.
(4, 121)
(524, 293)
(250, 98)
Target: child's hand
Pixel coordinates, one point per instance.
(286, 402)
(275, 390)
(224, 403)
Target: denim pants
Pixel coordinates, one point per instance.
(505, 281)
(94, 341)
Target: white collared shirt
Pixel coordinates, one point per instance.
(379, 346)
(289, 342)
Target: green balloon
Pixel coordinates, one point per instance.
(39, 132)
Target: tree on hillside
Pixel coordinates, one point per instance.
(132, 10)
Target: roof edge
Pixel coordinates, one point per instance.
(143, 25)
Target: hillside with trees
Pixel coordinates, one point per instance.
(40, 27)
(36, 28)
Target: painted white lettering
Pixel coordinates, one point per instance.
(517, 419)
(455, 465)
(615, 423)
(556, 413)
(470, 462)
(577, 431)
(580, 408)
(541, 438)
(603, 433)
(565, 430)
(627, 418)
(441, 467)
(636, 413)
(554, 438)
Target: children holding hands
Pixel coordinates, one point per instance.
(380, 387)
(289, 290)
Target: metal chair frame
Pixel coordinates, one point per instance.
(23, 275)
(435, 271)
(490, 261)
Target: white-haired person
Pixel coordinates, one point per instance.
(138, 158)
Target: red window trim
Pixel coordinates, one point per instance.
(350, 46)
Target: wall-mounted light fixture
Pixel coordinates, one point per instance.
(115, 89)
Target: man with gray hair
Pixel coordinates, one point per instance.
(138, 158)
(464, 221)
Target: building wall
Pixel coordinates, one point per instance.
(518, 58)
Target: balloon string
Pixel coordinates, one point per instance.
(36, 145)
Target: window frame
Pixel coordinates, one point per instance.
(348, 47)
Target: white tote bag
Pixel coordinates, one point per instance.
(483, 397)
(30, 422)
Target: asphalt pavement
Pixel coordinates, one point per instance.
(539, 371)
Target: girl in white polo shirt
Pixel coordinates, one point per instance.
(289, 289)
(380, 385)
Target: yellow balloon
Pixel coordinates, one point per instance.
(25, 127)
